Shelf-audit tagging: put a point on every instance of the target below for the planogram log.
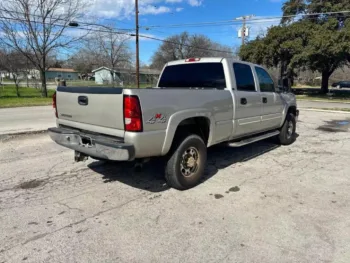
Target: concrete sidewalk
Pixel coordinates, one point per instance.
(26, 119)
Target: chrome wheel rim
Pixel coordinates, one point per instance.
(290, 129)
(189, 162)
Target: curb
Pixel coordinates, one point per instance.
(8, 136)
(319, 110)
(325, 101)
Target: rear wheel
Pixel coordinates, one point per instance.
(287, 132)
(186, 164)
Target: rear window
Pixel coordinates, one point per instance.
(198, 75)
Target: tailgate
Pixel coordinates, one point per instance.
(93, 105)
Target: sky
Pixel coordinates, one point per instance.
(160, 13)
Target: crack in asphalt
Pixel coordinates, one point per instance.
(43, 235)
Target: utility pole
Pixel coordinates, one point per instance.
(244, 27)
(243, 30)
(137, 44)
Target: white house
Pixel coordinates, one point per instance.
(104, 75)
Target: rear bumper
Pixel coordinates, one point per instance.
(95, 146)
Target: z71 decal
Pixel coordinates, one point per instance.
(157, 118)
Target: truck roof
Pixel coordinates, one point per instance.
(205, 60)
(201, 60)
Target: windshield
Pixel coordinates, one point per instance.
(198, 75)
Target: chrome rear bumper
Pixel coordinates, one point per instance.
(101, 147)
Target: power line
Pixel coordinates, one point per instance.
(111, 19)
(163, 40)
(156, 39)
(61, 19)
(121, 33)
(224, 22)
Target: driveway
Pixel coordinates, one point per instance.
(259, 203)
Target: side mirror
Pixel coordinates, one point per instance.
(283, 89)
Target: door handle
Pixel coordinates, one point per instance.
(264, 100)
(244, 101)
(83, 100)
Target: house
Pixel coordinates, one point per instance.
(61, 73)
(104, 75)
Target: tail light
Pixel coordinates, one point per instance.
(132, 114)
(54, 103)
(192, 59)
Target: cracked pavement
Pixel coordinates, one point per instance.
(259, 203)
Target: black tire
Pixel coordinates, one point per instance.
(186, 149)
(287, 132)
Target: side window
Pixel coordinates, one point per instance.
(244, 77)
(266, 82)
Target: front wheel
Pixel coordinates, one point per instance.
(186, 164)
(287, 132)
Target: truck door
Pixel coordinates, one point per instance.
(273, 105)
(248, 101)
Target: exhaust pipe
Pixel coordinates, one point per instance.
(80, 157)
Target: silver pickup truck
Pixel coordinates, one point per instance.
(197, 103)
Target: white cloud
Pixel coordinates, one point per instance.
(122, 9)
(153, 10)
(111, 8)
(195, 2)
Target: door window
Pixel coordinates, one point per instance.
(244, 77)
(265, 81)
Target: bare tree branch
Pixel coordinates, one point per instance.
(36, 28)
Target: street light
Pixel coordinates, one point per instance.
(73, 24)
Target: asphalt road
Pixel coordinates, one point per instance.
(26, 119)
(259, 203)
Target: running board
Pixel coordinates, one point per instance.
(254, 139)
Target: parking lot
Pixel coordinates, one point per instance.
(259, 203)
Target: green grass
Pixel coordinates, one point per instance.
(81, 83)
(32, 96)
(29, 97)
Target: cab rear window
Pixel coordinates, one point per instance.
(196, 75)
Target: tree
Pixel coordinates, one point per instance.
(15, 64)
(328, 46)
(82, 61)
(279, 47)
(36, 29)
(113, 49)
(186, 46)
(105, 48)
